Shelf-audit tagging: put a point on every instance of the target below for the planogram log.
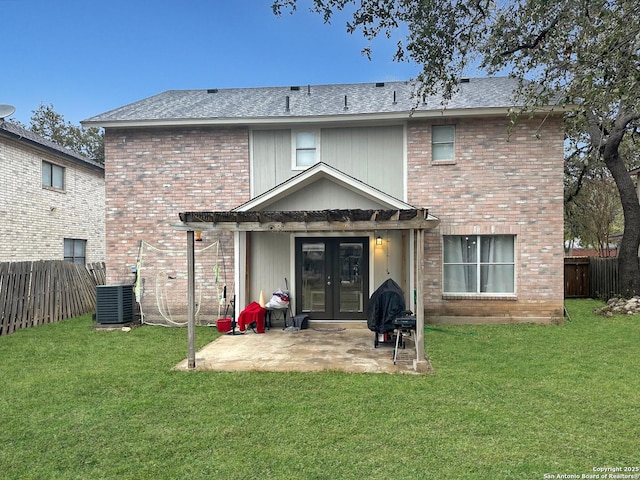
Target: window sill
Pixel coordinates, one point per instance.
(53, 189)
(443, 162)
(476, 296)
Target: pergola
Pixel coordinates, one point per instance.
(415, 221)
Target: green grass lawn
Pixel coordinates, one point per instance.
(507, 402)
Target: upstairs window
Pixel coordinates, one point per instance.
(75, 250)
(52, 175)
(442, 143)
(305, 148)
(479, 264)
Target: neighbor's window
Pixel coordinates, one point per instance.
(52, 175)
(75, 250)
(305, 145)
(479, 264)
(442, 142)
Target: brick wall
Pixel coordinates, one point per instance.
(153, 175)
(35, 221)
(501, 183)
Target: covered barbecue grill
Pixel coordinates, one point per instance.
(385, 305)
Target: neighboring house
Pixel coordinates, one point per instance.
(333, 186)
(576, 249)
(51, 200)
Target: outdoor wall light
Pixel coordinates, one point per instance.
(378, 240)
(198, 236)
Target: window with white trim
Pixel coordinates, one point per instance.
(479, 264)
(305, 148)
(52, 175)
(442, 143)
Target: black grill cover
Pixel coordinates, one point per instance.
(386, 303)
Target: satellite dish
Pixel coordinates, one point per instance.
(6, 111)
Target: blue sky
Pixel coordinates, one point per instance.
(88, 57)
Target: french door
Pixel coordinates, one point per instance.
(332, 277)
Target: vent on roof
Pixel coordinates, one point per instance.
(464, 80)
(286, 104)
(380, 84)
(212, 90)
(295, 89)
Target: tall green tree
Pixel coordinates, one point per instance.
(47, 123)
(565, 52)
(594, 213)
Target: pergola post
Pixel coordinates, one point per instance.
(191, 301)
(419, 269)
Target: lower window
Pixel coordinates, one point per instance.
(479, 264)
(75, 250)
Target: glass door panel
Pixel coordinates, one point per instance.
(332, 277)
(350, 291)
(314, 263)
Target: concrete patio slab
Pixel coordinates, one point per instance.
(315, 349)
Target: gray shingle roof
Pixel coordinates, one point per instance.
(306, 101)
(15, 131)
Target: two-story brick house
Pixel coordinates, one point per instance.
(51, 200)
(339, 187)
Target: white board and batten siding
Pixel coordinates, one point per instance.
(373, 155)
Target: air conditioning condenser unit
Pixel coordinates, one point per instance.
(114, 303)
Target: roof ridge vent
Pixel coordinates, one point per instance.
(380, 84)
(295, 88)
(464, 80)
(212, 90)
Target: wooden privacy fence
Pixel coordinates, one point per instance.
(603, 278)
(591, 277)
(46, 291)
(576, 277)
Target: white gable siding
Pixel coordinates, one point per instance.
(271, 154)
(374, 155)
(321, 195)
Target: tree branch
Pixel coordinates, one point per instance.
(625, 119)
(536, 41)
(577, 185)
(595, 130)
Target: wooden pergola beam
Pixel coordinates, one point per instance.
(311, 226)
(307, 220)
(297, 217)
